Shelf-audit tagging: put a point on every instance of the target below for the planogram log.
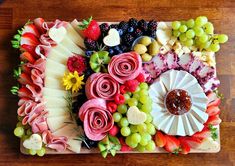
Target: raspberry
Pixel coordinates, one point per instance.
(140, 77)
(112, 107)
(114, 130)
(90, 44)
(131, 85)
(77, 63)
(119, 99)
(123, 89)
(124, 146)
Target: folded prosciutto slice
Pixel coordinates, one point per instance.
(96, 118)
(101, 85)
(126, 66)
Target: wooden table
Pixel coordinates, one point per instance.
(14, 13)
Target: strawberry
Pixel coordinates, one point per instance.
(38, 22)
(184, 146)
(172, 144)
(26, 56)
(193, 142)
(29, 39)
(24, 92)
(30, 49)
(114, 130)
(216, 102)
(90, 29)
(31, 28)
(160, 139)
(25, 79)
(205, 133)
(213, 120)
(26, 69)
(213, 110)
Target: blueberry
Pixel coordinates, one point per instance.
(116, 48)
(111, 51)
(120, 31)
(119, 51)
(130, 29)
(88, 53)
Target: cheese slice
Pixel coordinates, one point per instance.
(53, 74)
(71, 46)
(57, 57)
(53, 65)
(55, 123)
(54, 92)
(57, 111)
(53, 83)
(67, 130)
(74, 145)
(52, 102)
(209, 144)
(74, 36)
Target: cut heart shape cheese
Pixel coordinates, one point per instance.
(135, 116)
(34, 142)
(57, 34)
(112, 39)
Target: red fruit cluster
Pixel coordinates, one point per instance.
(124, 146)
(119, 99)
(112, 107)
(76, 63)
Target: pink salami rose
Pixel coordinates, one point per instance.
(96, 118)
(101, 85)
(126, 66)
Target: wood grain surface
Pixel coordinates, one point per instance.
(14, 13)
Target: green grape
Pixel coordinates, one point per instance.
(147, 136)
(142, 128)
(200, 21)
(190, 34)
(127, 97)
(32, 152)
(133, 128)
(122, 108)
(128, 140)
(143, 92)
(216, 41)
(41, 152)
(176, 33)
(150, 146)
(117, 116)
(124, 122)
(215, 47)
(129, 93)
(183, 22)
(197, 42)
(136, 96)
(133, 145)
(149, 118)
(182, 37)
(19, 131)
(147, 108)
(140, 148)
(203, 38)
(175, 25)
(19, 124)
(139, 105)
(151, 129)
(183, 28)
(125, 131)
(198, 31)
(188, 42)
(24, 137)
(137, 90)
(135, 138)
(190, 23)
(144, 99)
(29, 132)
(132, 102)
(209, 28)
(206, 45)
(144, 85)
(222, 38)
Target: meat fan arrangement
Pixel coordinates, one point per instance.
(124, 87)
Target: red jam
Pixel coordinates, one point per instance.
(178, 102)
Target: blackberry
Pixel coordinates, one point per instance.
(88, 53)
(152, 25)
(89, 143)
(123, 25)
(133, 22)
(123, 48)
(138, 33)
(152, 34)
(128, 39)
(104, 28)
(143, 25)
(88, 72)
(115, 26)
(90, 44)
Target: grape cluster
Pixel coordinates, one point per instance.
(198, 33)
(137, 136)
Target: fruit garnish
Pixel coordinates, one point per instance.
(98, 61)
(160, 139)
(77, 63)
(90, 29)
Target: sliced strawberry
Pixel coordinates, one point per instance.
(184, 146)
(30, 49)
(213, 110)
(29, 39)
(26, 69)
(193, 142)
(213, 120)
(25, 79)
(31, 28)
(215, 102)
(26, 56)
(205, 133)
(172, 144)
(24, 92)
(160, 139)
(38, 22)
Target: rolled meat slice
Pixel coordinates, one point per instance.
(126, 66)
(101, 85)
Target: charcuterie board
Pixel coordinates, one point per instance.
(118, 87)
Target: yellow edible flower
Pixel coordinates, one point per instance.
(73, 81)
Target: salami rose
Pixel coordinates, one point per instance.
(96, 118)
(101, 85)
(126, 66)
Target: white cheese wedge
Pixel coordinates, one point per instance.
(52, 102)
(53, 83)
(57, 57)
(209, 144)
(54, 92)
(74, 145)
(75, 24)
(53, 65)
(71, 46)
(67, 130)
(55, 123)
(57, 111)
(163, 36)
(74, 36)
(53, 74)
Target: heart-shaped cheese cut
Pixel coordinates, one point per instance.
(57, 34)
(135, 116)
(112, 39)
(34, 142)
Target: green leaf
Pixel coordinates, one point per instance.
(101, 147)
(104, 153)
(113, 152)
(14, 90)
(114, 140)
(213, 130)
